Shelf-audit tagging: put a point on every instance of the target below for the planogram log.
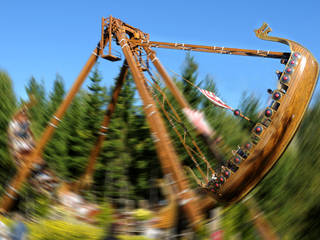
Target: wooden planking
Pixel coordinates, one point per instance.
(275, 138)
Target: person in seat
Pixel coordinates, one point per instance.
(21, 139)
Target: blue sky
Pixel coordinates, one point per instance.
(42, 38)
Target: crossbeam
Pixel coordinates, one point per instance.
(211, 49)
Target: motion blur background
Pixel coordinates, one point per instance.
(45, 44)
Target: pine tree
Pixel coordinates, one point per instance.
(211, 111)
(82, 124)
(95, 99)
(76, 154)
(7, 107)
(249, 106)
(55, 151)
(189, 73)
(116, 153)
(38, 111)
(304, 178)
(55, 97)
(145, 166)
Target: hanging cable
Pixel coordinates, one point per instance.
(179, 121)
(180, 137)
(213, 98)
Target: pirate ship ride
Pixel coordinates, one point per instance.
(234, 179)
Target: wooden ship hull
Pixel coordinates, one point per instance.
(272, 135)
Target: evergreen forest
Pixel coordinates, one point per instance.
(128, 166)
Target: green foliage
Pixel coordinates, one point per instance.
(145, 165)
(41, 206)
(76, 155)
(62, 230)
(211, 112)
(288, 194)
(237, 223)
(38, 111)
(127, 158)
(7, 106)
(202, 233)
(7, 221)
(189, 73)
(128, 161)
(55, 97)
(33, 203)
(56, 149)
(104, 218)
(249, 106)
(142, 214)
(94, 101)
(116, 152)
(91, 113)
